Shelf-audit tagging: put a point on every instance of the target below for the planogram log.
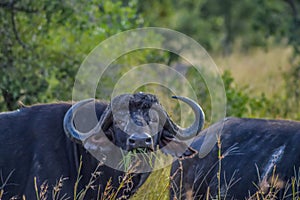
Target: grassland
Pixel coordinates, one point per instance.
(260, 70)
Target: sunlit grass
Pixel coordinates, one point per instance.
(259, 69)
(156, 187)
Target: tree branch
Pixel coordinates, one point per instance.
(293, 7)
(11, 6)
(8, 99)
(15, 28)
(5, 4)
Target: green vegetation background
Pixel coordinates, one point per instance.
(43, 43)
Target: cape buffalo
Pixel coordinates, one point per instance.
(253, 159)
(63, 144)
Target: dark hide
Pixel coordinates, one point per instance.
(257, 155)
(33, 144)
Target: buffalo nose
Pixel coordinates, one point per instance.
(141, 140)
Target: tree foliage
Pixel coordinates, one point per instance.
(218, 24)
(44, 42)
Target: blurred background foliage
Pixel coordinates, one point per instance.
(43, 43)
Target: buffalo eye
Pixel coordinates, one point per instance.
(153, 117)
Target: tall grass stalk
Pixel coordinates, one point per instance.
(219, 166)
(36, 189)
(77, 179)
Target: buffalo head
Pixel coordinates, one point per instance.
(134, 122)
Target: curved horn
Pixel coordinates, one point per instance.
(195, 128)
(70, 130)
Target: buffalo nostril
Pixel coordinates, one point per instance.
(131, 141)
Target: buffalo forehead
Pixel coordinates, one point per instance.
(133, 101)
(139, 108)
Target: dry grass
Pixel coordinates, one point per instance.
(261, 70)
(157, 185)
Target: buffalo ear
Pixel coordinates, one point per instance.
(170, 145)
